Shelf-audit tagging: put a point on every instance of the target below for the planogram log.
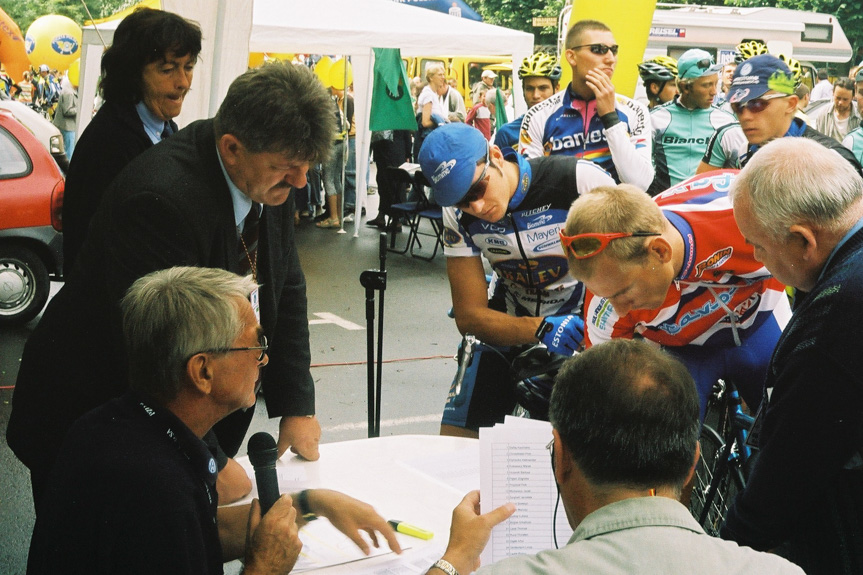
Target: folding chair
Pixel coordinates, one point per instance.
(408, 211)
(434, 214)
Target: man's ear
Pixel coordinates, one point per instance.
(694, 463)
(570, 57)
(230, 149)
(792, 104)
(808, 238)
(659, 248)
(199, 372)
(562, 459)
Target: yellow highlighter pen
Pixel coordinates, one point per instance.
(411, 530)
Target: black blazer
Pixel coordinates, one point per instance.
(170, 206)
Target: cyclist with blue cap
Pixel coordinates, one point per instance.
(508, 209)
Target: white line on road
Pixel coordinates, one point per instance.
(386, 422)
(333, 318)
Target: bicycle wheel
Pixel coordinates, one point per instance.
(713, 488)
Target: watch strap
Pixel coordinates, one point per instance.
(303, 504)
(445, 566)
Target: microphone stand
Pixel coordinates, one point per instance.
(375, 280)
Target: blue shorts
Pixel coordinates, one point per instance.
(744, 365)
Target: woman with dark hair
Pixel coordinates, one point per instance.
(146, 74)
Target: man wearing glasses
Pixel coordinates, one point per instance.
(588, 119)
(676, 271)
(763, 99)
(682, 127)
(508, 209)
(133, 490)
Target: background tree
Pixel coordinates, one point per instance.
(519, 14)
(23, 12)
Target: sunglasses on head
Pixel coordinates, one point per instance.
(584, 246)
(477, 190)
(757, 105)
(599, 49)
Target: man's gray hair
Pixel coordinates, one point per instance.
(491, 96)
(797, 180)
(281, 108)
(171, 314)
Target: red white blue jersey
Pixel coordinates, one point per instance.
(570, 126)
(721, 290)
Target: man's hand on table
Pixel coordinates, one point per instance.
(272, 541)
(302, 434)
(470, 532)
(350, 516)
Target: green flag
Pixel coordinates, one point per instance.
(391, 100)
(499, 110)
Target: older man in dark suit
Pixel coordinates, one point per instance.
(217, 194)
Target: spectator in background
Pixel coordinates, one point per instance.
(481, 115)
(842, 116)
(804, 95)
(146, 74)
(454, 102)
(823, 90)
(724, 83)
(66, 114)
(25, 89)
(431, 112)
(659, 75)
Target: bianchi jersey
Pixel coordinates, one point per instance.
(680, 137)
(721, 289)
(564, 125)
(531, 275)
(854, 142)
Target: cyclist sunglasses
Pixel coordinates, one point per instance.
(757, 105)
(583, 246)
(477, 190)
(599, 49)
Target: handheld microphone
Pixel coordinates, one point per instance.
(263, 455)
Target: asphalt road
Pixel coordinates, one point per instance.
(419, 342)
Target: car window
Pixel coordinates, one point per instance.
(14, 161)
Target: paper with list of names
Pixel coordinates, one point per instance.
(515, 467)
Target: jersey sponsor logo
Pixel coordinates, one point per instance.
(496, 241)
(574, 141)
(496, 228)
(543, 235)
(442, 171)
(539, 221)
(545, 246)
(535, 211)
(499, 251)
(538, 273)
(715, 260)
(601, 313)
(451, 237)
(677, 140)
(698, 313)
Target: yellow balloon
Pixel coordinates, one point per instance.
(337, 74)
(282, 57)
(53, 40)
(74, 72)
(255, 59)
(322, 69)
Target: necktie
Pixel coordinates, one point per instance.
(167, 132)
(248, 247)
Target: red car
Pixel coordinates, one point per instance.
(31, 203)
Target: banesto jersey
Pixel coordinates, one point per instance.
(720, 288)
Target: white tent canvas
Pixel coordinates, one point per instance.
(345, 27)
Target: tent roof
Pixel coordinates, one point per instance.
(348, 27)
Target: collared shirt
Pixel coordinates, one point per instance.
(242, 202)
(153, 125)
(644, 535)
(857, 227)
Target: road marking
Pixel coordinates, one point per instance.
(334, 319)
(386, 422)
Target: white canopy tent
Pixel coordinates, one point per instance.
(344, 27)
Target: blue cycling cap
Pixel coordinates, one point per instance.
(448, 160)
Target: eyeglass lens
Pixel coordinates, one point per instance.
(602, 49)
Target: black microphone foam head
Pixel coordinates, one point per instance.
(262, 449)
